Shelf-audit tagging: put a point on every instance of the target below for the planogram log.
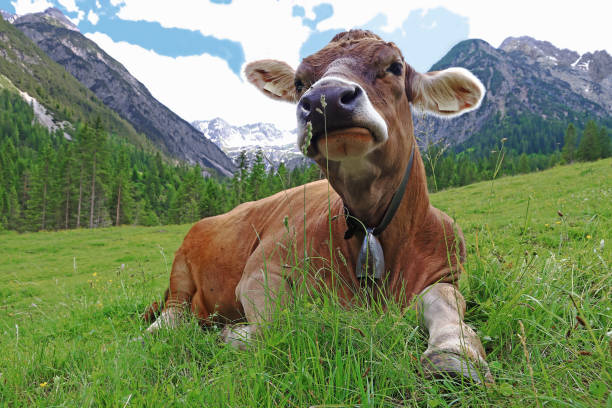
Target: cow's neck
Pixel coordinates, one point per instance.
(368, 195)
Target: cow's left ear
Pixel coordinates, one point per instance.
(274, 78)
(446, 93)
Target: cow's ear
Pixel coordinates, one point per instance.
(274, 78)
(446, 93)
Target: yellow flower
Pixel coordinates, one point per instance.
(558, 222)
(94, 274)
(588, 237)
(43, 384)
(546, 225)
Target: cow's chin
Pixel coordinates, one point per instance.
(346, 143)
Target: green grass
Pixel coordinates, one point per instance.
(68, 312)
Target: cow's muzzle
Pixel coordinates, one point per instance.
(337, 107)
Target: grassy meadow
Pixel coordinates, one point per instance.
(537, 281)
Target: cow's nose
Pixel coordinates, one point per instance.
(341, 100)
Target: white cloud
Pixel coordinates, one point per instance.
(198, 87)
(93, 17)
(70, 5)
(30, 6)
(202, 87)
(265, 28)
(577, 26)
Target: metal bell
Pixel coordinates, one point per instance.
(371, 259)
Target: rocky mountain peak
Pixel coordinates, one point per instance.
(277, 145)
(8, 16)
(119, 90)
(50, 16)
(541, 51)
(598, 64)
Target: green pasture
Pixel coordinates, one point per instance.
(539, 256)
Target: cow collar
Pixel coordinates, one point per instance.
(371, 259)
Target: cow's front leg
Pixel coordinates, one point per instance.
(260, 292)
(454, 348)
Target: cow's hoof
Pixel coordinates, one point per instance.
(236, 336)
(444, 364)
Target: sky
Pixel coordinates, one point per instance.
(190, 54)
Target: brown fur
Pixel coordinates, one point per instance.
(219, 267)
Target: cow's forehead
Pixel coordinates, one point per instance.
(358, 54)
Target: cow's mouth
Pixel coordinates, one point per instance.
(339, 144)
(344, 143)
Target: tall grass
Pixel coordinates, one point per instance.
(538, 291)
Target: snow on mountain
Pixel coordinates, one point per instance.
(277, 145)
(8, 16)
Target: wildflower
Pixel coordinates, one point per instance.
(601, 244)
(43, 384)
(588, 237)
(557, 222)
(546, 225)
(94, 274)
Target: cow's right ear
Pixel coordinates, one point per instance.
(274, 78)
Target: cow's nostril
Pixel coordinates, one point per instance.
(350, 95)
(306, 106)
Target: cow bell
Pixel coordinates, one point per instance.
(371, 259)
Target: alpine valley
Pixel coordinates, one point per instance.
(534, 90)
(111, 83)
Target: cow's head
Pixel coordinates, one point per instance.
(368, 89)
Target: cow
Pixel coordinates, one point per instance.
(368, 225)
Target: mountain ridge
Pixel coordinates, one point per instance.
(523, 76)
(277, 145)
(119, 90)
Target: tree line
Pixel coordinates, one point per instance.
(92, 179)
(95, 179)
(514, 146)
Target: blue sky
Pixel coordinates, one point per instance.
(190, 53)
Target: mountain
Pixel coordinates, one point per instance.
(526, 80)
(8, 16)
(27, 70)
(277, 146)
(119, 90)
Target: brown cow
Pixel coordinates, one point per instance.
(354, 102)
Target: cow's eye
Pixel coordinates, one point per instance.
(395, 68)
(299, 85)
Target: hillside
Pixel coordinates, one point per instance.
(527, 81)
(30, 70)
(119, 90)
(539, 256)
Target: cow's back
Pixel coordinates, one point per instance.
(216, 249)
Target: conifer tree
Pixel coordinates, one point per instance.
(257, 177)
(239, 181)
(84, 140)
(605, 144)
(96, 148)
(67, 170)
(588, 149)
(569, 144)
(38, 199)
(122, 194)
(523, 164)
